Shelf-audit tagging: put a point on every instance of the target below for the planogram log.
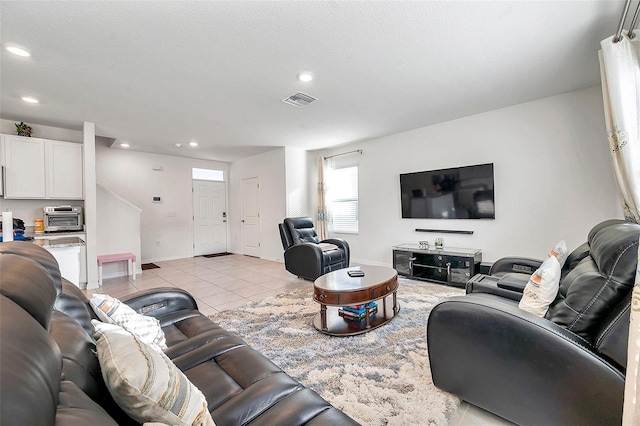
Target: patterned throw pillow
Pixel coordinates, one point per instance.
(113, 311)
(145, 383)
(542, 288)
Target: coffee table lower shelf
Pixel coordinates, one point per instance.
(337, 326)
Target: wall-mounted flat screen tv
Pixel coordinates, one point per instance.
(456, 193)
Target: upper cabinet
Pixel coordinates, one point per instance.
(39, 168)
(24, 167)
(64, 170)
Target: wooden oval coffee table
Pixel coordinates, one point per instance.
(337, 289)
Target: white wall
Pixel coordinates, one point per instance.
(296, 182)
(166, 228)
(553, 178)
(118, 231)
(270, 168)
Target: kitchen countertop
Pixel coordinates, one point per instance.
(30, 232)
(59, 242)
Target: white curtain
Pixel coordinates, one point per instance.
(620, 72)
(323, 219)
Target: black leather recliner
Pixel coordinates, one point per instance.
(564, 369)
(508, 276)
(305, 255)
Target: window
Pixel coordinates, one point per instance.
(207, 174)
(343, 199)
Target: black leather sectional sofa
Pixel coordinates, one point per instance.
(49, 373)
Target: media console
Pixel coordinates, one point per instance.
(451, 266)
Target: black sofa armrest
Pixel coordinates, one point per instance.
(160, 301)
(304, 260)
(514, 282)
(342, 243)
(500, 286)
(522, 265)
(518, 366)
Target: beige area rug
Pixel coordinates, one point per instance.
(379, 378)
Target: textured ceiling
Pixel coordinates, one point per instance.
(158, 73)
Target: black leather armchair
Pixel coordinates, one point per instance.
(564, 369)
(305, 255)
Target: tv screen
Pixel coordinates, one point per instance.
(456, 193)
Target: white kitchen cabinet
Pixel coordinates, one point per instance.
(38, 168)
(67, 255)
(24, 167)
(64, 170)
(68, 259)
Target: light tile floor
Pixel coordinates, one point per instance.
(217, 283)
(227, 282)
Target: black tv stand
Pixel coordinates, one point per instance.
(450, 266)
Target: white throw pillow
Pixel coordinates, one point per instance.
(113, 311)
(145, 383)
(560, 252)
(542, 288)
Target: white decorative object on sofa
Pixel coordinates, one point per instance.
(113, 311)
(560, 252)
(542, 288)
(145, 383)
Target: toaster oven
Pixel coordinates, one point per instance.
(63, 218)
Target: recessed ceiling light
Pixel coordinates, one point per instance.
(125, 145)
(193, 143)
(30, 100)
(305, 76)
(18, 51)
(178, 145)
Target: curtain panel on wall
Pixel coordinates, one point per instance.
(620, 73)
(322, 216)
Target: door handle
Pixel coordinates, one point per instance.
(242, 221)
(225, 221)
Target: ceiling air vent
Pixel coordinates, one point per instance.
(299, 99)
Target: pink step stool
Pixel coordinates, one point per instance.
(118, 257)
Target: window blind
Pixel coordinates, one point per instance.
(343, 199)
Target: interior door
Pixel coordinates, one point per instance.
(209, 217)
(251, 216)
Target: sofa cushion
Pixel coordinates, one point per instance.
(76, 408)
(113, 311)
(145, 383)
(79, 363)
(31, 368)
(37, 254)
(302, 230)
(28, 284)
(542, 288)
(73, 303)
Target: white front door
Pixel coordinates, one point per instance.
(251, 216)
(209, 217)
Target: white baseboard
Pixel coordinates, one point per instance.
(368, 262)
(164, 259)
(119, 274)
